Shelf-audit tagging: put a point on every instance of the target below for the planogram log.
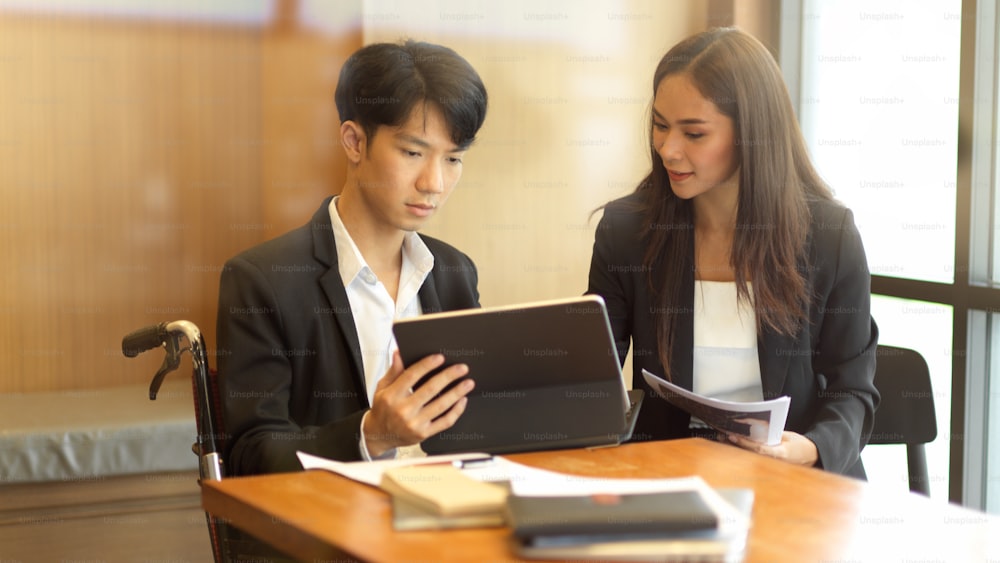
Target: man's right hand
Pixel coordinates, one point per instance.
(401, 416)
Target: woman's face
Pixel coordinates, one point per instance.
(695, 141)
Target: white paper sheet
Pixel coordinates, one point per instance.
(370, 472)
(761, 421)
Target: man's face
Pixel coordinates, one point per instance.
(408, 172)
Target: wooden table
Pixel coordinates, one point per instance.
(800, 514)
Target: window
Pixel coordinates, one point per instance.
(960, 129)
(878, 109)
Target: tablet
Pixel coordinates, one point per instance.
(547, 375)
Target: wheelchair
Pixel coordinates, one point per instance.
(176, 337)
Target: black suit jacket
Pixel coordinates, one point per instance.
(290, 366)
(827, 368)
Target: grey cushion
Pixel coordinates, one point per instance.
(90, 434)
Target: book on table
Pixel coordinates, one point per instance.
(676, 525)
(441, 496)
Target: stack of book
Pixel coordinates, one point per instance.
(664, 526)
(557, 516)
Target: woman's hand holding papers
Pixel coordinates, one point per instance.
(794, 448)
(402, 416)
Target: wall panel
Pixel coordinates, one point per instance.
(136, 156)
(128, 161)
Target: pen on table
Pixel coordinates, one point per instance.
(461, 463)
(472, 463)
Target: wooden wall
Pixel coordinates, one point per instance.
(135, 157)
(302, 160)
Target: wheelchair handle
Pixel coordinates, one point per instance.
(169, 335)
(144, 339)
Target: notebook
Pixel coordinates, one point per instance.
(725, 544)
(583, 519)
(547, 375)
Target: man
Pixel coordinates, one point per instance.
(307, 360)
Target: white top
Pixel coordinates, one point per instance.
(725, 344)
(372, 307)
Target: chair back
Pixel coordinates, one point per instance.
(906, 412)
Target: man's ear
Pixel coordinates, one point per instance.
(352, 136)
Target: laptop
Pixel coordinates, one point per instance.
(547, 375)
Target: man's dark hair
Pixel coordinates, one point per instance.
(380, 84)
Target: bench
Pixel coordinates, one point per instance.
(100, 473)
(91, 434)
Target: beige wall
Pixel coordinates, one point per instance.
(566, 131)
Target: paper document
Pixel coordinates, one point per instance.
(370, 472)
(523, 479)
(761, 421)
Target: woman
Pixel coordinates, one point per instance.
(732, 269)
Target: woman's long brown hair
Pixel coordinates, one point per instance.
(776, 179)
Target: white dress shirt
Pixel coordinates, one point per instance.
(373, 308)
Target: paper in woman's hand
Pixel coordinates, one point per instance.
(760, 421)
